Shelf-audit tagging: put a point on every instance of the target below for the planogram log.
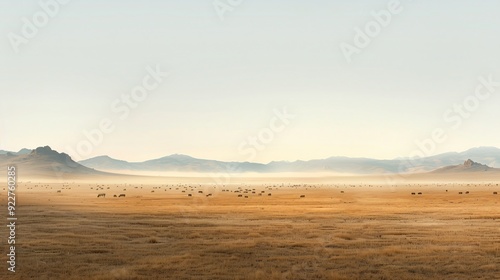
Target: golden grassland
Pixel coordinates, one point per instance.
(337, 231)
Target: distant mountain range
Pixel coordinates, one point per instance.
(183, 163)
(176, 162)
(44, 160)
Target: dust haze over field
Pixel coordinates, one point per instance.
(230, 139)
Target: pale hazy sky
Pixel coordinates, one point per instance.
(227, 77)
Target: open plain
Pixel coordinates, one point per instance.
(257, 230)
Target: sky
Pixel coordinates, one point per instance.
(256, 81)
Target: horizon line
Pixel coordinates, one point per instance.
(177, 154)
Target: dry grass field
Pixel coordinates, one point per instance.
(336, 231)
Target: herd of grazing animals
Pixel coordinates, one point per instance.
(247, 192)
(206, 191)
(242, 191)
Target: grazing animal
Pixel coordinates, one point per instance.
(467, 192)
(419, 193)
(101, 194)
(190, 195)
(341, 191)
(200, 191)
(412, 193)
(269, 194)
(302, 196)
(460, 193)
(121, 195)
(495, 193)
(114, 195)
(240, 195)
(59, 191)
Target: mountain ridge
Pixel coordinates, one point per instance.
(42, 157)
(337, 164)
(45, 162)
(468, 166)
